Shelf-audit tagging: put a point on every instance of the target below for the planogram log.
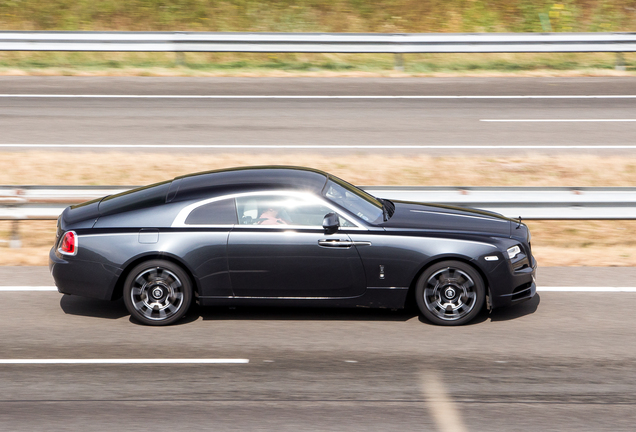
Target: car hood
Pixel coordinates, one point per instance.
(447, 218)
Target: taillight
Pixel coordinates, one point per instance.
(68, 246)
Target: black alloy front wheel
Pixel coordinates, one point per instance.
(157, 292)
(450, 293)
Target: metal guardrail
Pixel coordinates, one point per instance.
(20, 203)
(398, 44)
(316, 42)
(43, 202)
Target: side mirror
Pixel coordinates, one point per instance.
(331, 223)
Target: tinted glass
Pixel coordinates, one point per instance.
(358, 202)
(215, 213)
(281, 210)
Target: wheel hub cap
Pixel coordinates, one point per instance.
(450, 294)
(157, 293)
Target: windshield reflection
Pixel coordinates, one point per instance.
(356, 201)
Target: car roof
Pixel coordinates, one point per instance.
(215, 183)
(225, 181)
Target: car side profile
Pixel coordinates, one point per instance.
(287, 236)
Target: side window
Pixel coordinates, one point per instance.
(281, 210)
(221, 212)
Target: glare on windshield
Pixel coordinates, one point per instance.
(356, 201)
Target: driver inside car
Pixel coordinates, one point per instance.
(271, 216)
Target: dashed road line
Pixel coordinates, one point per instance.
(555, 120)
(587, 289)
(28, 288)
(125, 361)
(441, 406)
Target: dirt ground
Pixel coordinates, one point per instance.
(555, 243)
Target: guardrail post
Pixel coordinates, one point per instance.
(180, 58)
(620, 62)
(399, 62)
(15, 242)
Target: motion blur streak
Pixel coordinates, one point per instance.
(441, 406)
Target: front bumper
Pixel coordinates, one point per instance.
(511, 286)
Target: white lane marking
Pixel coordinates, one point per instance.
(124, 361)
(320, 146)
(441, 406)
(587, 289)
(157, 96)
(28, 288)
(539, 289)
(554, 120)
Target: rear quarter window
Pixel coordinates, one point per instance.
(221, 212)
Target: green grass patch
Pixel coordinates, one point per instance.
(384, 16)
(377, 16)
(244, 63)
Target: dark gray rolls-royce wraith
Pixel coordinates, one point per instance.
(287, 236)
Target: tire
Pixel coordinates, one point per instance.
(450, 293)
(157, 292)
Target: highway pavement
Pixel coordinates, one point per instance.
(386, 115)
(564, 361)
(561, 362)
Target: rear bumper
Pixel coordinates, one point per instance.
(71, 274)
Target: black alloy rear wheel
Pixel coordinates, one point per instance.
(157, 292)
(450, 293)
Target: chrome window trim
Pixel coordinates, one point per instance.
(182, 216)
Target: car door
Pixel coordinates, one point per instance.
(279, 249)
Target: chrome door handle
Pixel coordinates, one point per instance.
(342, 243)
(335, 243)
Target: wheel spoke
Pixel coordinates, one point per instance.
(445, 275)
(461, 298)
(166, 305)
(140, 280)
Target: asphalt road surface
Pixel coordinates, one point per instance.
(492, 115)
(562, 362)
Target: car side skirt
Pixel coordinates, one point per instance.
(374, 297)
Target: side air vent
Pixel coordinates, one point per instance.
(522, 291)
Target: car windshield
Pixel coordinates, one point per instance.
(358, 202)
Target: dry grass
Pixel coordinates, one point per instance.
(277, 73)
(313, 64)
(592, 243)
(118, 168)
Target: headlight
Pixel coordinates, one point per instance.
(513, 251)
